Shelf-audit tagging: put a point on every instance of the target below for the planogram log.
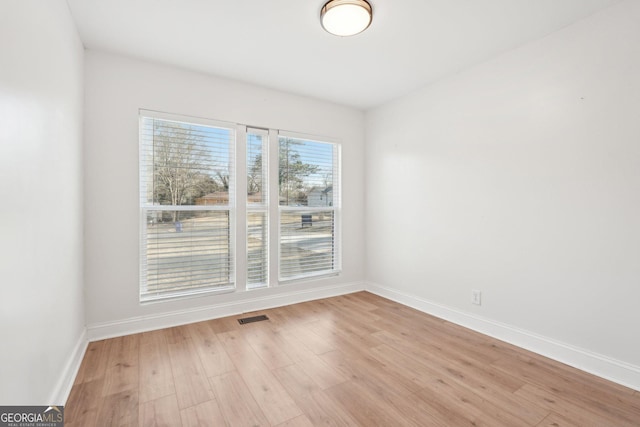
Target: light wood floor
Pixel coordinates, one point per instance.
(357, 360)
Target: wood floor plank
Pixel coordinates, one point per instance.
(316, 343)
(119, 410)
(439, 338)
(440, 356)
(555, 420)
(360, 302)
(582, 383)
(321, 373)
(356, 399)
(161, 412)
(407, 316)
(471, 340)
(419, 411)
(83, 403)
(184, 358)
(402, 364)
(301, 421)
(266, 345)
(475, 372)
(322, 410)
(575, 376)
(296, 381)
(431, 342)
(213, 357)
(473, 377)
(310, 311)
(224, 324)
(238, 406)
(349, 311)
(155, 374)
(177, 334)
(205, 414)
(371, 373)
(458, 399)
(189, 376)
(350, 360)
(419, 324)
(192, 389)
(444, 412)
(390, 306)
(238, 348)
(315, 404)
(297, 316)
(347, 338)
(351, 328)
(270, 395)
(582, 414)
(287, 340)
(618, 406)
(95, 361)
(122, 365)
(282, 317)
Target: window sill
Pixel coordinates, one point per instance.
(309, 278)
(187, 295)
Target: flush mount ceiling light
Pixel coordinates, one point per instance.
(346, 17)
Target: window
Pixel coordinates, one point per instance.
(186, 201)
(309, 192)
(257, 209)
(199, 235)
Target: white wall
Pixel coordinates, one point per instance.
(41, 301)
(116, 87)
(520, 177)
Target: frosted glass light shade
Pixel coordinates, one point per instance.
(346, 17)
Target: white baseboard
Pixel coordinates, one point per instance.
(605, 367)
(69, 372)
(243, 304)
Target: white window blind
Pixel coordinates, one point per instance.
(309, 207)
(257, 209)
(186, 201)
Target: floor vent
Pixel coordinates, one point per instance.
(253, 319)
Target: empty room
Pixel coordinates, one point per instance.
(320, 213)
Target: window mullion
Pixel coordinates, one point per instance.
(241, 208)
(274, 208)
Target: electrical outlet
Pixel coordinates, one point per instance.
(476, 297)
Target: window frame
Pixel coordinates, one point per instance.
(336, 208)
(239, 208)
(145, 207)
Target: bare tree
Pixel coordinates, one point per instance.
(223, 180)
(292, 171)
(182, 165)
(254, 177)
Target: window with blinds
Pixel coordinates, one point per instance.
(309, 203)
(257, 209)
(186, 200)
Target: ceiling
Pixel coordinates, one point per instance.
(280, 44)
